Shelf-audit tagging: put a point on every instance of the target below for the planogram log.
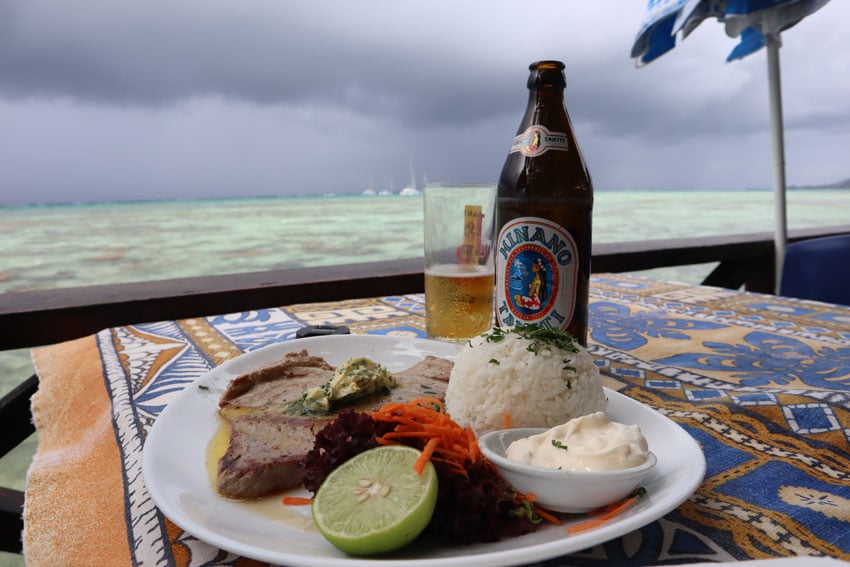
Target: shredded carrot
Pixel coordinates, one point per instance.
(507, 420)
(529, 499)
(296, 501)
(605, 514)
(547, 516)
(423, 459)
(614, 508)
(424, 424)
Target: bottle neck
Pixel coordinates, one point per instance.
(547, 73)
(546, 83)
(545, 107)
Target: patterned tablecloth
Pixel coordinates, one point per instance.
(762, 383)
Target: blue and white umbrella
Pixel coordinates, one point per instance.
(758, 23)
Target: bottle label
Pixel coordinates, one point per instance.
(537, 140)
(536, 273)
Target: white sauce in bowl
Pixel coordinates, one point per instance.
(587, 443)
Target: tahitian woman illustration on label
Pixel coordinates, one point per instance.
(532, 281)
(536, 267)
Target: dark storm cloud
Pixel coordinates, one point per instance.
(403, 61)
(147, 53)
(163, 99)
(159, 53)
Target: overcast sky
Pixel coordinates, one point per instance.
(103, 100)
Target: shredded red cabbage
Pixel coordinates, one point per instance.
(349, 434)
(478, 508)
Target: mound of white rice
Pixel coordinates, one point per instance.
(495, 378)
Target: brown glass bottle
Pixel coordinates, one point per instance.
(544, 209)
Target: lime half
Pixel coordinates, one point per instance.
(375, 502)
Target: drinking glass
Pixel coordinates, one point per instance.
(458, 259)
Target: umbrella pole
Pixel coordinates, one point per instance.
(778, 145)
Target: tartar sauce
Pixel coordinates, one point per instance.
(587, 443)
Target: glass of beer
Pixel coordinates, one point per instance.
(459, 267)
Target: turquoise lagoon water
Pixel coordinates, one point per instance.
(45, 247)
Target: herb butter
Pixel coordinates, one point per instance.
(354, 379)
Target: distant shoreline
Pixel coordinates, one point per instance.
(844, 185)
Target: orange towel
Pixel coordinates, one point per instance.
(76, 466)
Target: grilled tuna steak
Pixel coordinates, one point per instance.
(269, 437)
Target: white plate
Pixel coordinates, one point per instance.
(173, 465)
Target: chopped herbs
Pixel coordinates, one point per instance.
(495, 335)
(495, 361)
(202, 387)
(353, 380)
(558, 444)
(569, 368)
(540, 337)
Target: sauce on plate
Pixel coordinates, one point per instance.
(586, 443)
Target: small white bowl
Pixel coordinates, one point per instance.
(559, 490)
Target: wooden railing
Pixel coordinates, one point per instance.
(34, 318)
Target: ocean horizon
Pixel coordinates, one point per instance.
(845, 186)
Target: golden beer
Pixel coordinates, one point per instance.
(458, 301)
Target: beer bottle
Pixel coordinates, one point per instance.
(544, 203)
